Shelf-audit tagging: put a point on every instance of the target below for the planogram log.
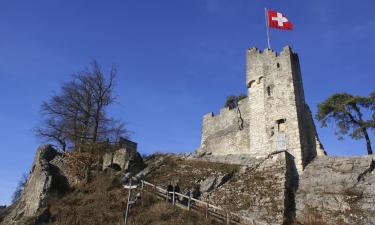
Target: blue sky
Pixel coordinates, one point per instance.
(177, 60)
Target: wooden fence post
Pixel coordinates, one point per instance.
(207, 209)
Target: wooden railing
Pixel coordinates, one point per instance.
(190, 203)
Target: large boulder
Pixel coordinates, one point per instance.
(213, 182)
(43, 180)
(208, 184)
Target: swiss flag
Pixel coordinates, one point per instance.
(278, 20)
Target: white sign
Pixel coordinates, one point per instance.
(130, 187)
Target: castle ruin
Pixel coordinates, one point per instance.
(273, 117)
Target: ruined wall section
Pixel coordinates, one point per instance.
(307, 131)
(313, 135)
(310, 144)
(227, 132)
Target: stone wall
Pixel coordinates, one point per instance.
(338, 190)
(226, 133)
(124, 159)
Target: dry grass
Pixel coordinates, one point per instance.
(311, 216)
(99, 202)
(103, 202)
(312, 220)
(155, 212)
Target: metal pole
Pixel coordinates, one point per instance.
(174, 201)
(189, 201)
(127, 205)
(142, 187)
(267, 27)
(207, 209)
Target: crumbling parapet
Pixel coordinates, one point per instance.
(227, 132)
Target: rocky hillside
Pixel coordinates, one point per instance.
(77, 188)
(340, 190)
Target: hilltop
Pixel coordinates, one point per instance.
(261, 190)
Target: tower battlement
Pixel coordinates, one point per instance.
(268, 60)
(274, 116)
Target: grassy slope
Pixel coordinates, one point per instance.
(103, 202)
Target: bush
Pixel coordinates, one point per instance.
(232, 100)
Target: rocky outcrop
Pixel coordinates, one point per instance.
(44, 179)
(3, 212)
(339, 190)
(208, 184)
(214, 182)
(151, 164)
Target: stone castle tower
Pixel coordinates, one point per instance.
(274, 116)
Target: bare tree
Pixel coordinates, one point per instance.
(77, 116)
(53, 131)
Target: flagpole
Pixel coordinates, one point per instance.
(267, 27)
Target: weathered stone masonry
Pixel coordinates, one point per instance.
(273, 117)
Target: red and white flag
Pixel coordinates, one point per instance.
(278, 20)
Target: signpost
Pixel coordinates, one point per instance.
(129, 186)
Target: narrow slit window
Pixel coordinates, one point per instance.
(269, 91)
(281, 125)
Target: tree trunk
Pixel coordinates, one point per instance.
(368, 142)
(363, 128)
(96, 126)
